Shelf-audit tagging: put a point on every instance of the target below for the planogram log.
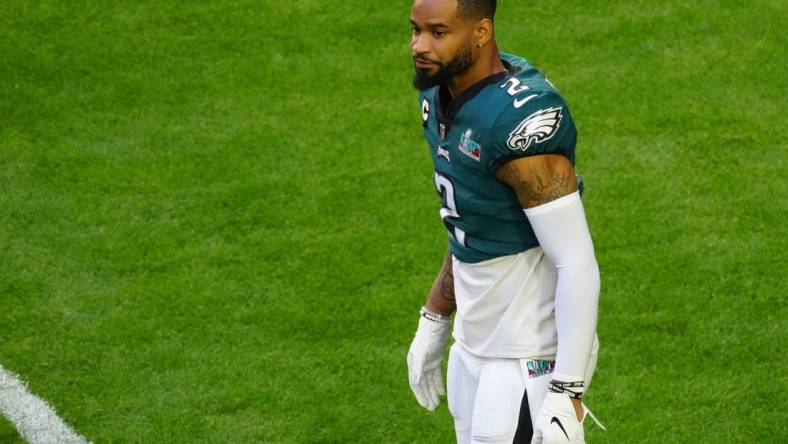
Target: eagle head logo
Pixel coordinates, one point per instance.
(536, 128)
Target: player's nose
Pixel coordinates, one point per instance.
(418, 45)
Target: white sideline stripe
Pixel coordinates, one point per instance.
(35, 420)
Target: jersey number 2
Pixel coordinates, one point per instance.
(446, 190)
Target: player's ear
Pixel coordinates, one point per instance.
(483, 32)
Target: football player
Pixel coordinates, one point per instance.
(520, 269)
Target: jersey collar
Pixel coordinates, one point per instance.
(447, 109)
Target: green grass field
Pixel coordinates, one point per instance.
(217, 221)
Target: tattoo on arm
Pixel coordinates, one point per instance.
(543, 185)
(447, 286)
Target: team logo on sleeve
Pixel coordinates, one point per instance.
(536, 128)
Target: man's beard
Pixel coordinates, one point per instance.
(423, 80)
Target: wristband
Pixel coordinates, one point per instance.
(435, 317)
(573, 389)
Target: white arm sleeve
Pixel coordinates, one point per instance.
(562, 231)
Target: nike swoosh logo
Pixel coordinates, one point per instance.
(521, 102)
(555, 420)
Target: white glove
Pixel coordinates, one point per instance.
(424, 360)
(557, 421)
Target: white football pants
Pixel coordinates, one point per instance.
(485, 395)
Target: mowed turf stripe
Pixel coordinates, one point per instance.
(36, 421)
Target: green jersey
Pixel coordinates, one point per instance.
(512, 114)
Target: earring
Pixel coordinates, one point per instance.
(479, 45)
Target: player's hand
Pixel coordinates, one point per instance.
(424, 362)
(557, 421)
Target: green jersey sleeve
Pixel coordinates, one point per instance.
(541, 124)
